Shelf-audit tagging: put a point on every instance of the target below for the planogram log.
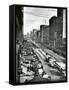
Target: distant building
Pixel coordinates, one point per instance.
(34, 34)
(38, 36)
(31, 35)
(27, 36)
(44, 34)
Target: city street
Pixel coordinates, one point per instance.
(41, 45)
(32, 56)
(55, 75)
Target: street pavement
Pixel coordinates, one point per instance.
(53, 72)
(47, 69)
(50, 52)
(40, 52)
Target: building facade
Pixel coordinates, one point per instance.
(19, 23)
(56, 29)
(44, 34)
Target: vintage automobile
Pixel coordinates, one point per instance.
(52, 61)
(47, 58)
(60, 66)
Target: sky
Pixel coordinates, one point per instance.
(34, 17)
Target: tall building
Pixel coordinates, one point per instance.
(34, 34)
(31, 35)
(38, 36)
(19, 23)
(19, 35)
(56, 29)
(60, 23)
(44, 33)
(53, 28)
